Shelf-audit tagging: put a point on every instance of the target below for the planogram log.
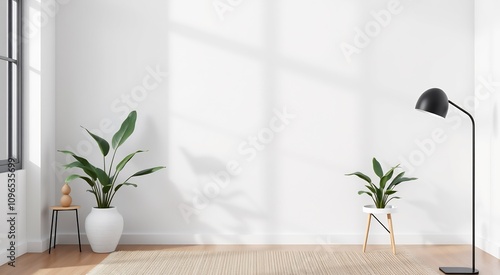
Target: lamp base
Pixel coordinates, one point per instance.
(458, 270)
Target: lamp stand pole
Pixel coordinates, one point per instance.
(467, 270)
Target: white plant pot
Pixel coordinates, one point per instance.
(104, 227)
(372, 209)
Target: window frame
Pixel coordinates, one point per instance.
(14, 113)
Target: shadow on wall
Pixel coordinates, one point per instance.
(435, 200)
(217, 198)
(202, 165)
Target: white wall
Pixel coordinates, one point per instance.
(35, 182)
(221, 82)
(487, 38)
(39, 100)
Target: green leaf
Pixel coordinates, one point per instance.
(395, 180)
(147, 171)
(126, 129)
(66, 152)
(390, 172)
(77, 164)
(370, 188)
(106, 189)
(405, 179)
(72, 165)
(385, 178)
(379, 195)
(103, 144)
(399, 180)
(390, 192)
(364, 192)
(361, 175)
(377, 168)
(125, 183)
(103, 177)
(393, 198)
(88, 168)
(74, 176)
(124, 162)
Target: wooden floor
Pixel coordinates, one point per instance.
(66, 259)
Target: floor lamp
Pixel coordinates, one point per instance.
(436, 102)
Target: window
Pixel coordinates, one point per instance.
(10, 83)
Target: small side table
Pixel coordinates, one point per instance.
(371, 210)
(55, 210)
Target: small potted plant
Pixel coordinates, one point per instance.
(104, 224)
(382, 193)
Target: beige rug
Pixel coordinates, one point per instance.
(260, 262)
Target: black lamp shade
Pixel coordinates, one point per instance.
(433, 101)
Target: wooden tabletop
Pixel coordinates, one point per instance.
(61, 208)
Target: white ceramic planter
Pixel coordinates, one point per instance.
(104, 227)
(389, 209)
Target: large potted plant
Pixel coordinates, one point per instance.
(104, 224)
(383, 192)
